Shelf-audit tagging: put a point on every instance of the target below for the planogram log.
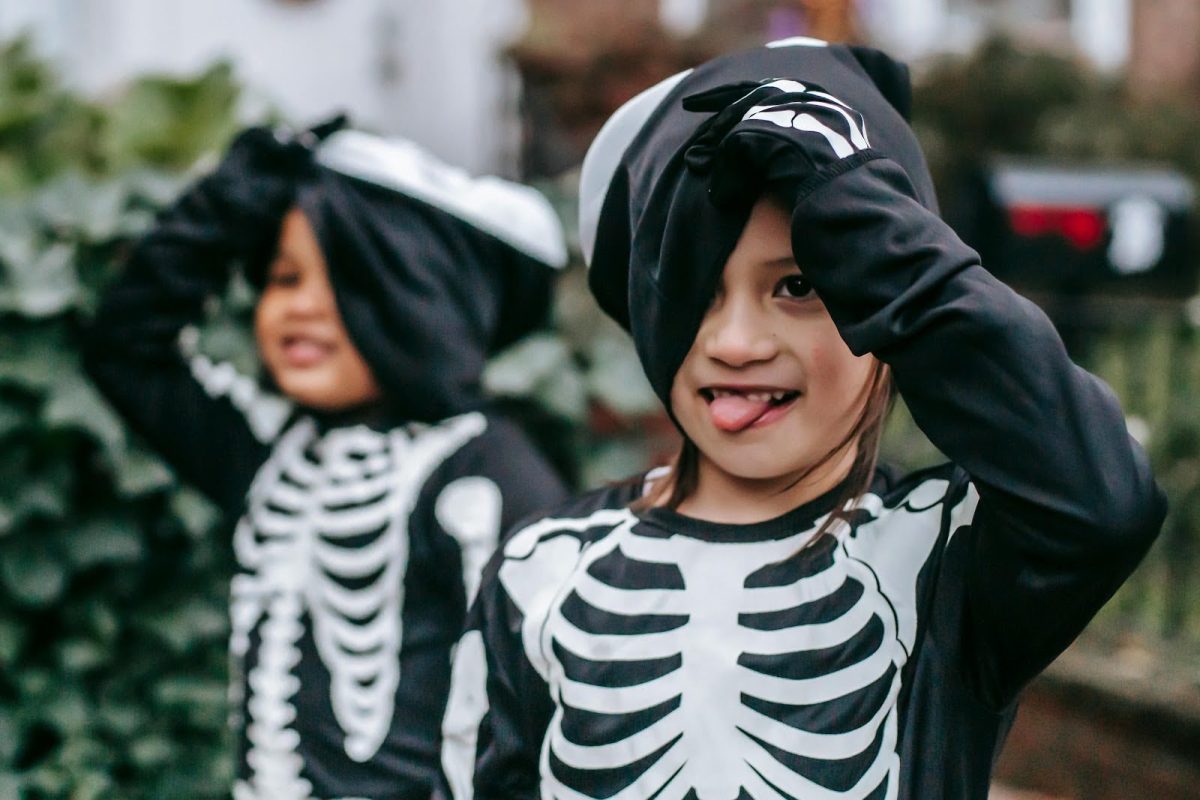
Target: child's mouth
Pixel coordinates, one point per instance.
(736, 410)
(301, 351)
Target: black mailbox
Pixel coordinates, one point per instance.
(1068, 230)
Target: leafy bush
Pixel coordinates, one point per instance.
(1007, 100)
(112, 577)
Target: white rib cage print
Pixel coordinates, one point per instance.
(325, 534)
(684, 668)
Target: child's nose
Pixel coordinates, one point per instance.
(738, 335)
(308, 300)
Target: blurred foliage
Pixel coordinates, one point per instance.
(112, 577)
(1007, 100)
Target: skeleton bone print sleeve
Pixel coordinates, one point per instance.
(211, 424)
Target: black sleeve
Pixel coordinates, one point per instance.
(491, 743)
(1068, 504)
(194, 414)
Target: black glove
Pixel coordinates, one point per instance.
(777, 135)
(255, 183)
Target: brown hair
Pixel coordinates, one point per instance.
(875, 401)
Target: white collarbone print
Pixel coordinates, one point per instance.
(719, 670)
(325, 540)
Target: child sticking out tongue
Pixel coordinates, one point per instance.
(736, 411)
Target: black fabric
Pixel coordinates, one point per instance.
(319, 483)
(912, 553)
(661, 241)
(1049, 505)
(425, 296)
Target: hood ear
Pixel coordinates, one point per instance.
(889, 76)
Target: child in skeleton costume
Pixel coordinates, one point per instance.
(776, 617)
(372, 494)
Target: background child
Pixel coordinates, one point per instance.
(369, 503)
(774, 617)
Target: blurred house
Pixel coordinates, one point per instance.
(431, 71)
(1100, 30)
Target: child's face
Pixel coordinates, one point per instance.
(768, 387)
(300, 334)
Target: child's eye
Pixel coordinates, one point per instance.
(793, 286)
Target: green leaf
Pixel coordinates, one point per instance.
(88, 209)
(122, 719)
(35, 357)
(105, 540)
(194, 623)
(565, 394)
(8, 519)
(42, 496)
(102, 622)
(74, 403)
(10, 784)
(32, 575)
(517, 371)
(616, 379)
(151, 751)
(138, 473)
(12, 638)
(10, 739)
(12, 418)
(67, 711)
(43, 286)
(91, 786)
(195, 512)
(81, 655)
(192, 692)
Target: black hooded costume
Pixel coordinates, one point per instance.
(647, 654)
(361, 535)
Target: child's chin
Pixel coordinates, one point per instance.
(756, 466)
(316, 392)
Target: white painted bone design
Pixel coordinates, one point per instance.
(716, 741)
(814, 114)
(326, 534)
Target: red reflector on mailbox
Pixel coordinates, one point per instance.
(1082, 227)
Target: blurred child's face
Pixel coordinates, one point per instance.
(300, 334)
(768, 387)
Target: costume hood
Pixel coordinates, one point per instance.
(654, 241)
(432, 269)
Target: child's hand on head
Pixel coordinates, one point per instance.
(768, 133)
(255, 181)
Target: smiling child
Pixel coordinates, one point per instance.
(773, 616)
(368, 502)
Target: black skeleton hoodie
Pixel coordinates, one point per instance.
(361, 535)
(639, 655)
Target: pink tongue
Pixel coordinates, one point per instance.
(736, 412)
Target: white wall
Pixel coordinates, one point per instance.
(423, 68)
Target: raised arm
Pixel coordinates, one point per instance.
(1067, 501)
(209, 423)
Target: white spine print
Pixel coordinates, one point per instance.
(326, 533)
(709, 732)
